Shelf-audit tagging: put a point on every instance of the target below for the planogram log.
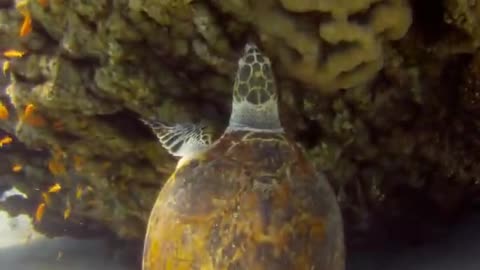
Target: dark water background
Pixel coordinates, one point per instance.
(457, 250)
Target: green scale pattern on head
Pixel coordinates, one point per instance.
(255, 96)
(254, 81)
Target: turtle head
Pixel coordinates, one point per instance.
(254, 93)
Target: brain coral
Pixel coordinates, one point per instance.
(327, 44)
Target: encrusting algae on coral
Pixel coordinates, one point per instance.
(56, 167)
(32, 117)
(58, 126)
(78, 163)
(43, 3)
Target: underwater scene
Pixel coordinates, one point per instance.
(240, 134)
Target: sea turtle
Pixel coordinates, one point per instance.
(250, 200)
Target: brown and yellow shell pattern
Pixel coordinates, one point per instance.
(234, 208)
(251, 201)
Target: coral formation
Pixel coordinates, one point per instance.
(326, 44)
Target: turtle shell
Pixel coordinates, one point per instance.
(250, 202)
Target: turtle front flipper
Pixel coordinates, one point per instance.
(181, 140)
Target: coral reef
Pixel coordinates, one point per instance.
(382, 94)
(465, 14)
(327, 45)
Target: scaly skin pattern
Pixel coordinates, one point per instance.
(252, 202)
(254, 80)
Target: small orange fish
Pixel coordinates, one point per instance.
(6, 140)
(31, 118)
(39, 213)
(17, 168)
(79, 192)
(46, 198)
(68, 210)
(3, 112)
(28, 110)
(5, 67)
(55, 188)
(13, 53)
(26, 25)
